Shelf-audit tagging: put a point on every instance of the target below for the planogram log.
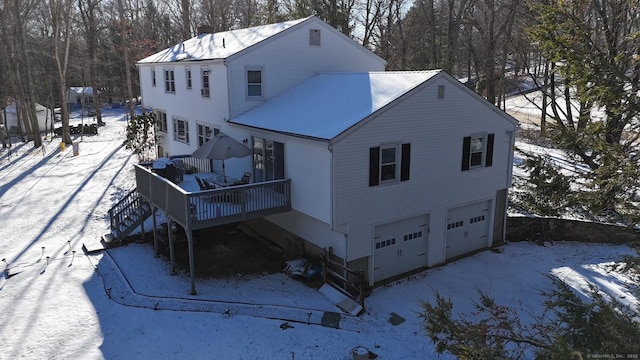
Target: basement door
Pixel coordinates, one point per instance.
(400, 247)
(467, 229)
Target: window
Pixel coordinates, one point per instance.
(153, 77)
(314, 37)
(205, 91)
(388, 163)
(268, 160)
(254, 83)
(205, 133)
(188, 77)
(161, 121)
(169, 81)
(181, 130)
(477, 151)
(385, 243)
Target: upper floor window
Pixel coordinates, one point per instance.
(254, 83)
(188, 78)
(388, 163)
(477, 151)
(205, 133)
(169, 81)
(205, 91)
(161, 121)
(153, 77)
(181, 130)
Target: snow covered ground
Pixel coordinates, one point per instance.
(124, 304)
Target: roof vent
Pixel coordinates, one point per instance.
(205, 29)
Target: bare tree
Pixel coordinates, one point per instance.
(16, 14)
(125, 32)
(60, 16)
(89, 12)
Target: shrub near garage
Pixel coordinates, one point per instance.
(569, 328)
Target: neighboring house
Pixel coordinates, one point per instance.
(77, 94)
(43, 114)
(394, 171)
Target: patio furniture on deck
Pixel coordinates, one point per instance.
(220, 180)
(244, 180)
(203, 184)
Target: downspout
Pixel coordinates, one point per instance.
(226, 65)
(512, 146)
(332, 226)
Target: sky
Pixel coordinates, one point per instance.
(56, 302)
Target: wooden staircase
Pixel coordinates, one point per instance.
(129, 213)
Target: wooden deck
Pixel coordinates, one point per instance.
(194, 209)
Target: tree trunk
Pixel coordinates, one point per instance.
(60, 12)
(125, 54)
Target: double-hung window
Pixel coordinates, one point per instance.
(205, 91)
(188, 78)
(161, 121)
(205, 133)
(254, 83)
(389, 163)
(477, 151)
(169, 81)
(181, 130)
(153, 77)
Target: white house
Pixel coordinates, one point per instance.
(77, 94)
(43, 114)
(394, 171)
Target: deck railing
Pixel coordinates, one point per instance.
(197, 210)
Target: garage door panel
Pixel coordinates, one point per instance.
(467, 229)
(400, 247)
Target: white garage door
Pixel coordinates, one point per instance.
(400, 247)
(467, 229)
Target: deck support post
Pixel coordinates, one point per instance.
(192, 267)
(140, 215)
(154, 209)
(172, 255)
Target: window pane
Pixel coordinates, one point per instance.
(476, 159)
(254, 76)
(388, 172)
(476, 144)
(388, 155)
(254, 90)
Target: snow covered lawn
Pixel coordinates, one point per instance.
(124, 304)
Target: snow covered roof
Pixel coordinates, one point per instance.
(87, 90)
(220, 45)
(330, 103)
(11, 108)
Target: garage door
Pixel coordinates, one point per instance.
(400, 247)
(467, 229)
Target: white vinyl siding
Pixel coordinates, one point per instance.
(187, 104)
(435, 128)
(283, 68)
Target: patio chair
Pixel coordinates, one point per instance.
(203, 184)
(244, 179)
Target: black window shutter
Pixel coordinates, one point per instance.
(404, 163)
(374, 166)
(466, 153)
(489, 159)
